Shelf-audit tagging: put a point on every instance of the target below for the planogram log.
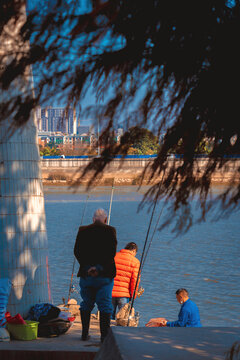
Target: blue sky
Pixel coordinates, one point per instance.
(42, 7)
(83, 6)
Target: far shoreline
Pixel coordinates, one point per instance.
(67, 172)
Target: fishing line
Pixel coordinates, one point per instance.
(109, 216)
(160, 214)
(74, 260)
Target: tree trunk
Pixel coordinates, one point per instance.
(23, 238)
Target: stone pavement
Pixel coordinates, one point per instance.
(126, 343)
(204, 343)
(67, 346)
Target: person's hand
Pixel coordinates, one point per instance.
(164, 322)
(156, 322)
(93, 271)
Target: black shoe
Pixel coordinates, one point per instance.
(85, 337)
(85, 318)
(105, 319)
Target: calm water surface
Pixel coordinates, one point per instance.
(205, 260)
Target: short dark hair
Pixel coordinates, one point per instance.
(131, 246)
(179, 291)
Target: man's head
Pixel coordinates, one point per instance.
(100, 215)
(132, 247)
(182, 295)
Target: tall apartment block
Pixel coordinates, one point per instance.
(57, 119)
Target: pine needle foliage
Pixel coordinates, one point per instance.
(169, 66)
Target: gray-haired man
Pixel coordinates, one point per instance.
(95, 248)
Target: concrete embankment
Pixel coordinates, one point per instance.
(124, 172)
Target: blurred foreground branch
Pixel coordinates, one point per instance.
(171, 67)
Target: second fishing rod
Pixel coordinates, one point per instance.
(145, 249)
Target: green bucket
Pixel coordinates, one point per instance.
(22, 331)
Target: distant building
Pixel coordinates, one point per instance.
(50, 138)
(83, 130)
(44, 120)
(43, 138)
(120, 132)
(38, 116)
(38, 112)
(77, 139)
(57, 119)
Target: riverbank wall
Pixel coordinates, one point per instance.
(125, 172)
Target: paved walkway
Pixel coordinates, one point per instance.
(55, 347)
(124, 343)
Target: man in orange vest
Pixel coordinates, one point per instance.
(127, 266)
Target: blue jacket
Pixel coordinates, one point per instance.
(188, 316)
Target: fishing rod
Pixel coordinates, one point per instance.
(74, 260)
(138, 275)
(110, 205)
(109, 216)
(160, 214)
(108, 221)
(142, 261)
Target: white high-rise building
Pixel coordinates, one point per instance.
(74, 121)
(58, 119)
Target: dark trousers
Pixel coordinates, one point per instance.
(118, 302)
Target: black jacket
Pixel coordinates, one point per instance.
(96, 244)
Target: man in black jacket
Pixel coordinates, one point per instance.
(95, 249)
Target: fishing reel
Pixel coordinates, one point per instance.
(73, 289)
(140, 291)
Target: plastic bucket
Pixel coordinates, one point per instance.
(24, 332)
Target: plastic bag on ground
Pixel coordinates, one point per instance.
(17, 319)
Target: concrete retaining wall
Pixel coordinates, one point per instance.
(124, 172)
(78, 163)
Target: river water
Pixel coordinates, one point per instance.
(205, 260)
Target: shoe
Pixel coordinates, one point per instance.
(105, 319)
(85, 318)
(85, 337)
